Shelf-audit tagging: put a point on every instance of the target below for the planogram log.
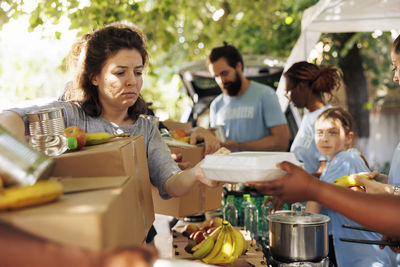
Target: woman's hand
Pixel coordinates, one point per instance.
(199, 174)
(379, 177)
(374, 187)
(296, 185)
(211, 143)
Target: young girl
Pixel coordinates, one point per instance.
(333, 137)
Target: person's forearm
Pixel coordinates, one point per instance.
(378, 212)
(18, 249)
(180, 183)
(269, 143)
(13, 123)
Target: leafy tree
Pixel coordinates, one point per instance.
(179, 30)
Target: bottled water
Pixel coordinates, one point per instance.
(263, 227)
(242, 208)
(251, 218)
(230, 211)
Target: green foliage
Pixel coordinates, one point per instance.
(179, 31)
(375, 51)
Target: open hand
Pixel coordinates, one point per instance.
(374, 187)
(296, 185)
(211, 142)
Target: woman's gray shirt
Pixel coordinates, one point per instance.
(161, 165)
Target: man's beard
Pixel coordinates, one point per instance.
(233, 87)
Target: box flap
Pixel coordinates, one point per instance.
(73, 185)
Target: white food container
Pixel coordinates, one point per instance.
(240, 167)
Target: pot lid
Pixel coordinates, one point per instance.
(293, 217)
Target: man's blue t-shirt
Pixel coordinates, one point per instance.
(247, 117)
(304, 146)
(353, 254)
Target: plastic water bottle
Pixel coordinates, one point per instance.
(230, 211)
(242, 208)
(263, 227)
(251, 218)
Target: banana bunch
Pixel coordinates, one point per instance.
(349, 180)
(25, 196)
(224, 245)
(101, 137)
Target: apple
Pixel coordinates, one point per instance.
(199, 236)
(78, 133)
(210, 230)
(189, 229)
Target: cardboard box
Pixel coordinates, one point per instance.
(123, 157)
(96, 214)
(173, 125)
(198, 200)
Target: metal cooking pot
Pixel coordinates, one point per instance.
(298, 236)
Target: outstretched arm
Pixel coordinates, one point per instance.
(182, 182)
(378, 212)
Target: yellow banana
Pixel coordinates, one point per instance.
(240, 243)
(349, 180)
(24, 196)
(203, 248)
(225, 254)
(101, 137)
(218, 245)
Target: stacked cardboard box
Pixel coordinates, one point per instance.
(110, 208)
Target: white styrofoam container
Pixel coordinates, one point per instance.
(242, 167)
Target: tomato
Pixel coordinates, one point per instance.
(178, 133)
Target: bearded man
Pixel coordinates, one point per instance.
(248, 110)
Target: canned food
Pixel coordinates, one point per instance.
(19, 163)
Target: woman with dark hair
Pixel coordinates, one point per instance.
(306, 86)
(105, 97)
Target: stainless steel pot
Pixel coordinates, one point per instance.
(298, 236)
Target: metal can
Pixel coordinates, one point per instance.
(19, 163)
(45, 131)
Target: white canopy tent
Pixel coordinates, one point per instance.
(351, 16)
(340, 16)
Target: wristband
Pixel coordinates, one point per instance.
(396, 190)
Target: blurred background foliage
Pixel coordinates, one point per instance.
(179, 31)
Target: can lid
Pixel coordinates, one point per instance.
(72, 143)
(292, 217)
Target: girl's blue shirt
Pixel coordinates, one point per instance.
(353, 254)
